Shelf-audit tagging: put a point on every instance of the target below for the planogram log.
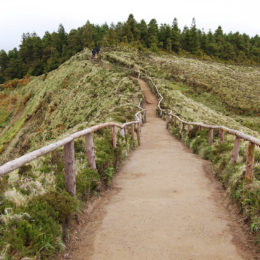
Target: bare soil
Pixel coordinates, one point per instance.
(163, 204)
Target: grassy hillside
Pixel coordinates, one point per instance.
(35, 209)
(68, 99)
(230, 90)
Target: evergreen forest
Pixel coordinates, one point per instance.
(37, 55)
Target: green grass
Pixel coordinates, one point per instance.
(35, 209)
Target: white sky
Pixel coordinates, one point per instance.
(19, 16)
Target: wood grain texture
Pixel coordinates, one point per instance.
(138, 133)
(221, 136)
(235, 151)
(113, 132)
(211, 135)
(90, 151)
(69, 168)
(250, 162)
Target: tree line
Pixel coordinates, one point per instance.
(37, 55)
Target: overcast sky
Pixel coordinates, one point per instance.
(19, 16)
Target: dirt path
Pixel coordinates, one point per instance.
(163, 205)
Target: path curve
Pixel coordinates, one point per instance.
(163, 205)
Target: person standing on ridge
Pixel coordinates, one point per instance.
(93, 53)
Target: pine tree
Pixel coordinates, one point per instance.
(14, 68)
(175, 36)
(211, 46)
(74, 44)
(132, 24)
(255, 49)
(186, 38)
(101, 32)
(220, 42)
(165, 37)
(3, 65)
(127, 35)
(194, 44)
(62, 40)
(31, 54)
(119, 31)
(153, 35)
(111, 37)
(89, 37)
(144, 36)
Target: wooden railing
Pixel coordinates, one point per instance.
(222, 130)
(68, 143)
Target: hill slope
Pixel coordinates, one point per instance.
(67, 99)
(35, 209)
(228, 90)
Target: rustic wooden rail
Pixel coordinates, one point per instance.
(222, 130)
(68, 143)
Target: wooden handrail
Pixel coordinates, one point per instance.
(222, 129)
(225, 129)
(16, 163)
(68, 144)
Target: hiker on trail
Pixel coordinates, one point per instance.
(93, 53)
(97, 49)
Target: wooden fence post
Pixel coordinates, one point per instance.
(250, 162)
(235, 150)
(188, 129)
(69, 167)
(90, 151)
(221, 136)
(181, 126)
(133, 133)
(114, 136)
(211, 134)
(175, 119)
(199, 128)
(139, 133)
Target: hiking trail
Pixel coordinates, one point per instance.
(164, 203)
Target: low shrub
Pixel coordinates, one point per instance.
(36, 229)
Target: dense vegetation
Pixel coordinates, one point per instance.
(35, 209)
(40, 55)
